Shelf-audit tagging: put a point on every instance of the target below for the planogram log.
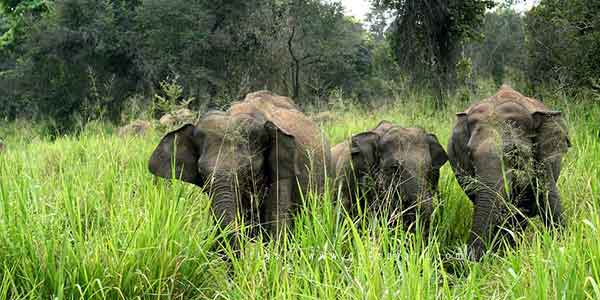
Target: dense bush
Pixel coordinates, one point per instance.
(501, 54)
(71, 61)
(74, 63)
(81, 59)
(564, 43)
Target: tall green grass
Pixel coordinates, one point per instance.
(82, 218)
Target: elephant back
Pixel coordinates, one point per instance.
(267, 101)
(507, 94)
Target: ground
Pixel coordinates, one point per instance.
(82, 218)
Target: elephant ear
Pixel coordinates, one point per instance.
(438, 159)
(364, 148)
(176, 156)
(281, 152)
(458, 152)
(552, 136)
(438, 155)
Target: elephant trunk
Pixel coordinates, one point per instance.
(224, 204)
(415, 187)
(416, 197)
(489, 200)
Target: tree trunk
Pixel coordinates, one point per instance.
(295, 65)
(296, 92)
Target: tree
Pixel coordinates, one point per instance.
(14, 14)
(564, 44)
(427, 35)
(319, 35)
(74, 62)
(84, 58)
(502, 49)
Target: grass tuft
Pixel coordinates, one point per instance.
(82, 218)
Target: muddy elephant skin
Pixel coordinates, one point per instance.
(391, 171)
(256, 159)
(506, 153)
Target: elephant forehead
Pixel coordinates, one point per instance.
(406, 135)
(503, 111)
(305, 132)
(214, 121)
(506, 95)
(480, 110)
(515, 112)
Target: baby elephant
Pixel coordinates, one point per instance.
(257, 159)
(391, 170)
(506, 153)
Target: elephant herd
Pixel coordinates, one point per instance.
(258, 159)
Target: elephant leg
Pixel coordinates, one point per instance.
(278, 206)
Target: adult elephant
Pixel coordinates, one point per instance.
(506, 153)
(391, 170)
(257, 159)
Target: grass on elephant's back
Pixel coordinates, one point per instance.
(81, 218)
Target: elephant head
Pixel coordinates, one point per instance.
(500, 146)
(402, 163)
(227, 154)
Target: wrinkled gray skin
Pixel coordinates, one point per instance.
(508, 143)
(391, 170)
(256, 159)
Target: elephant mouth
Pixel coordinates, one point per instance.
(396, 193)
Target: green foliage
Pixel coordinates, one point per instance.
(14, 13)
(82, 218)
(464, 71)
(83, 58)
(71, 61)
(74, 64)
(426, 37)
(502, 52)
(171, 100)
(564, 43)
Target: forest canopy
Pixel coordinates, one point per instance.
(70, 60)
